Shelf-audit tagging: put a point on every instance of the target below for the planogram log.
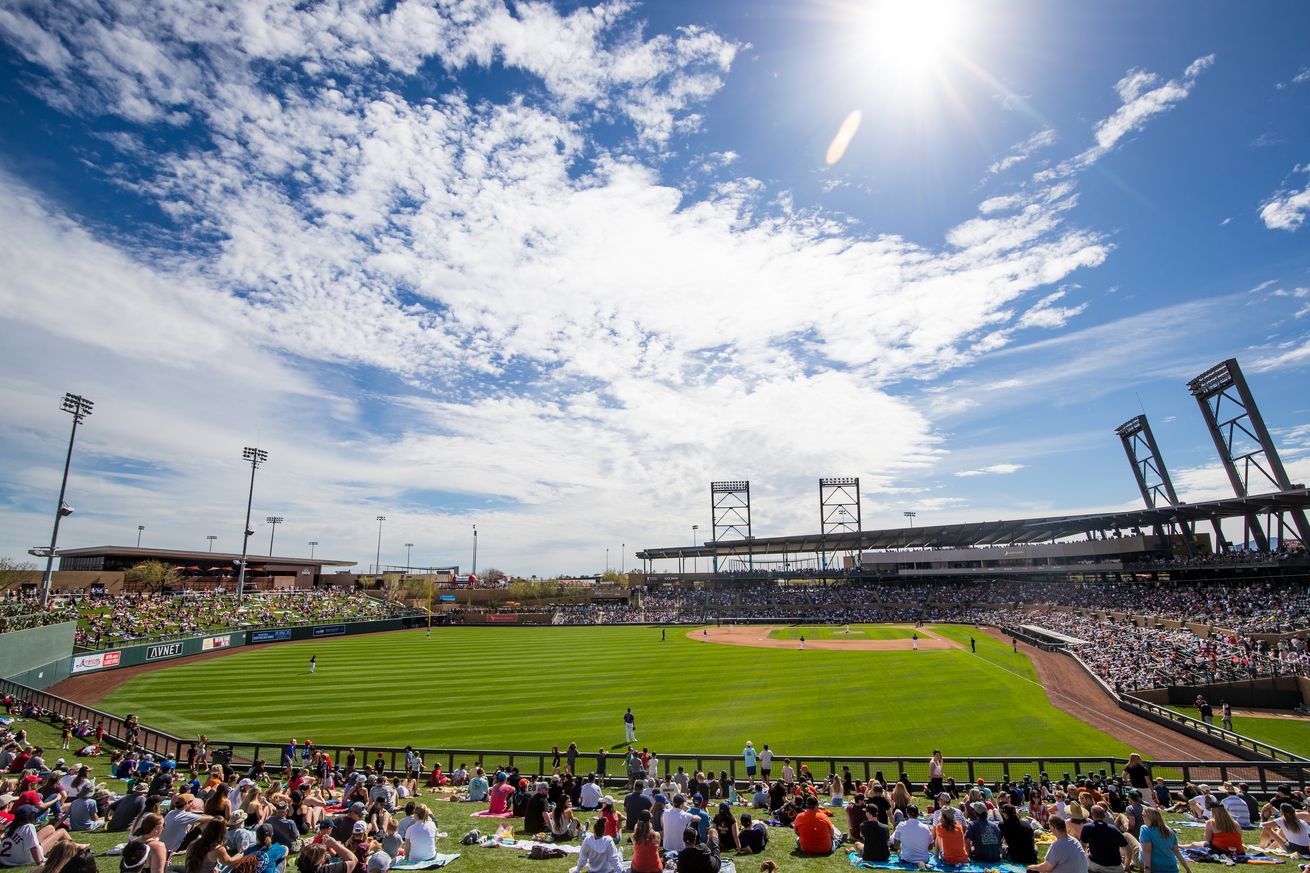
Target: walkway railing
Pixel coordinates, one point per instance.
(1259, 747)
(1260, 775)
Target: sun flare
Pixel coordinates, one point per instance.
(913, 37)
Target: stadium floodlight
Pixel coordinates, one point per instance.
(377, 564)
(474, 571)
(140, 529)
(211, 539)
(312, 543)
(273, 520)
(695, 562)
(910, 515)
(255, 457)
(79, 407)
(408, 547)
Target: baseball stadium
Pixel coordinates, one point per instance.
(810, 701)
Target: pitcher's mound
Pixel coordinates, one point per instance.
(758, 636)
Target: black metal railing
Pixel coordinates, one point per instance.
(1260, 775)
(1259, 747)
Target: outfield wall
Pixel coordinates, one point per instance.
(49, 660)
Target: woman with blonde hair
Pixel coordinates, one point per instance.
(1223, 835)
(901, 799)
(421, 836)
(1160, 851)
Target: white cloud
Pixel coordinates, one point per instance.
(1287, 209)
(1302, 75)
(991, 470)
(1024, 150)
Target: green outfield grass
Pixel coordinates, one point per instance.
(1289, 734)
(531, 688)
(838, 632)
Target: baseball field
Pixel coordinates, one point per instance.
(531, 688)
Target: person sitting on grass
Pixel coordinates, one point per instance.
(1065, 855)
(646, 846)
(1289, 832)
(675, 821)
(815, 832)
(209, 850)
(145, 852)
(913, 839)
(537, 811)
(591, 793)
(948, 838)
(421, 836)
(329, 856)
(23, 844)
(752, 836)
(699, 857)
(1160, 852)
(726, 825)
(1223, 835)
(874, 843)
(1106, 845)
(563, 825)
(598, 853)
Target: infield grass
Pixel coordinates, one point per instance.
(838, 632)
(531, 688)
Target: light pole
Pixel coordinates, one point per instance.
(474, 571)
(623, 556)
(211, 539)
(607, 559)
(312, 543)
(910, 516)
(273, 520)
(408, 546)
(695, 562)
(377, 564)
(140, 529)
(79, 407)
(255, 457)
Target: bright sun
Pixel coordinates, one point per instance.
(911, 38)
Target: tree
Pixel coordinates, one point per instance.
(14, 574)
(151, 575)
(491, 576)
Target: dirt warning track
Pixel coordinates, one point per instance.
(758, 636)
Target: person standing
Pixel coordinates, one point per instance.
(313, 662)
(802, 642)
(1225, 715)
(1205, 710)
(748, 757)
(914, 641)
(629, 726)
(973, 645)
(663, 631)
(766, 762)
(936, 772)
(1014, 644)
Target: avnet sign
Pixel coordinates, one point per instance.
(164, 650)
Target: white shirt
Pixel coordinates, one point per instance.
(16, 850)
(915, 839)
(600, 855)
(422, 838)
(766, 758)
(788, 774)
(591, 795)
(675, 821)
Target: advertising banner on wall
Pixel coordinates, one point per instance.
(97, 661)
(159, 651)
(503, 616)
(270, 636)
(329, 630)
(210, 643)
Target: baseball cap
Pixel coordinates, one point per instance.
(811, 800)
(326, 824)
(357, 808)
(979, 808)
(607, 799)
(660, 798)
(379, 862)
(361, 827)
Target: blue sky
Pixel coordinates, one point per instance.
(551, 269)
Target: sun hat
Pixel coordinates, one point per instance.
(87, 790)
(1076, 811)
(607, 799)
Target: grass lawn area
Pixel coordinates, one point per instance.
(531, 688)
(838, 632)
(454, 819)
(1288, 734)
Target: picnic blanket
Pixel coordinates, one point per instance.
(526, 845)
(1253, 856)
(895, 863)
(488, 814)
(1201, 824)
(431, 864)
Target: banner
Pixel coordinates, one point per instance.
(270, 636)
(164, 650)
(446, 598)
(98, 661)
(210, 643)
(329, 630)
(503, 616)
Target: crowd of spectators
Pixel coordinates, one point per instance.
(114, 620)
(19, 613)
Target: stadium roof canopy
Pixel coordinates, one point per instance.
(177, 556)
(993, 533)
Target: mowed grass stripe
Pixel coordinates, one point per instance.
(838, 632)
(530, 688)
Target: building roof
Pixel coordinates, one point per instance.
(992, 533)
(187, 557)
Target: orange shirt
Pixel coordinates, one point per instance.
(952, 844)
(1228, 842)
(813, 829)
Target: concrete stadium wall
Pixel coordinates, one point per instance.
(37, 653)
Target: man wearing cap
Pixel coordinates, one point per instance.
(815, 832)
(629, 726)
(285, 831)
(982, 837)
(675, 821)
(124, 810)
(534, 818)
(913, 839)
(344, 825)
(699, 808)
(748, 757)
(633, 804)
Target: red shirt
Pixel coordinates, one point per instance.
(813, 829)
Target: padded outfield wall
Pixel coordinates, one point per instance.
(37, 656)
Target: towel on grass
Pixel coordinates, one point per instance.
(487, 814)
(526, 845)
(1253, 856)
(431, 864)
(1201, 824)
(896, 863)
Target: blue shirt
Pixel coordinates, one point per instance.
(702, 823)
(1162, 849)
(749, 755)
